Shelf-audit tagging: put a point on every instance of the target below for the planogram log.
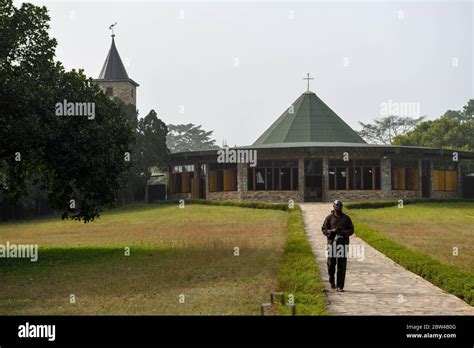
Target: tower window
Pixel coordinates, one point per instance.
(109, 91)
(131, 92)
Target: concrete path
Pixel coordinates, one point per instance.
(375, 285)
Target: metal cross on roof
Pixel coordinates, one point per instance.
(308, 78)
(112, 28)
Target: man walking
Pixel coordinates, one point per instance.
(337, 227)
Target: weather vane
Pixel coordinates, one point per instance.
(112, 28)
(308, 78)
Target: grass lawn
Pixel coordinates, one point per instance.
(173, 251)
(433, 229)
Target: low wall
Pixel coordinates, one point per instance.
(273, 196)
(257, 196)
(355, 195)
(400, 194)
(445, 194)
(370, 195)
(224, 196)
(175, 196)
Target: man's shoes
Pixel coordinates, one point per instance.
(340, 290)
(333, 286)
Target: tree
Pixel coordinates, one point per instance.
(447, 132)
(454, 130)
(149, 150)
(189, 137)
(79, 161)
(468, 111)
(385, 129)
(465, 115)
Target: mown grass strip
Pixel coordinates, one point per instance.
(299, 273)
(447, 277)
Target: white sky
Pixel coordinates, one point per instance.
(190, 62)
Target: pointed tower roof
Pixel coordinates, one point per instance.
(113, 68)
(309, 120)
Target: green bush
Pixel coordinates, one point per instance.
(406, 201)
(449, 278)
(255, 205)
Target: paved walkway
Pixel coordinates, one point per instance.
(375, 285)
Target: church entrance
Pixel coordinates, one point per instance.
(313, 180)
(198, 186)
(202, 188)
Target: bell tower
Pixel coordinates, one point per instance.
(113, 78)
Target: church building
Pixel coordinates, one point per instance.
(308, 154)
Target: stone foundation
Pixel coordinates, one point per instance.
(273, 196)
(445, 194)
(224, 196)
(123, 90)
(355, 195)
(176, 196)
(401, 194)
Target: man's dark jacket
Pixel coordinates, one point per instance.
(342, 223)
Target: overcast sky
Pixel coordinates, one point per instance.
(235, 67)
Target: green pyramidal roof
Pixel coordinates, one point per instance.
(309, 119)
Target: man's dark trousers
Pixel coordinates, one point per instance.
(341, 263)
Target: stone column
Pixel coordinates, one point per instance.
(242, 180)
(197, 173)
(301, 179)
(458, 167)
(206, 180)
(420, 177)
(432, 188)
(325, 179)
(386, 177)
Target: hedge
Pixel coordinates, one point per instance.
(406, 201)
(254, 205)
(449, 278)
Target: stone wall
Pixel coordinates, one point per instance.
(370, 195)
(401, 194)
(242, 174)
(445, 194)
(386, 176)
(174, 196)
(355, 195)
(273, 196)
(224, 196)
(326, 194)
(300, 180)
